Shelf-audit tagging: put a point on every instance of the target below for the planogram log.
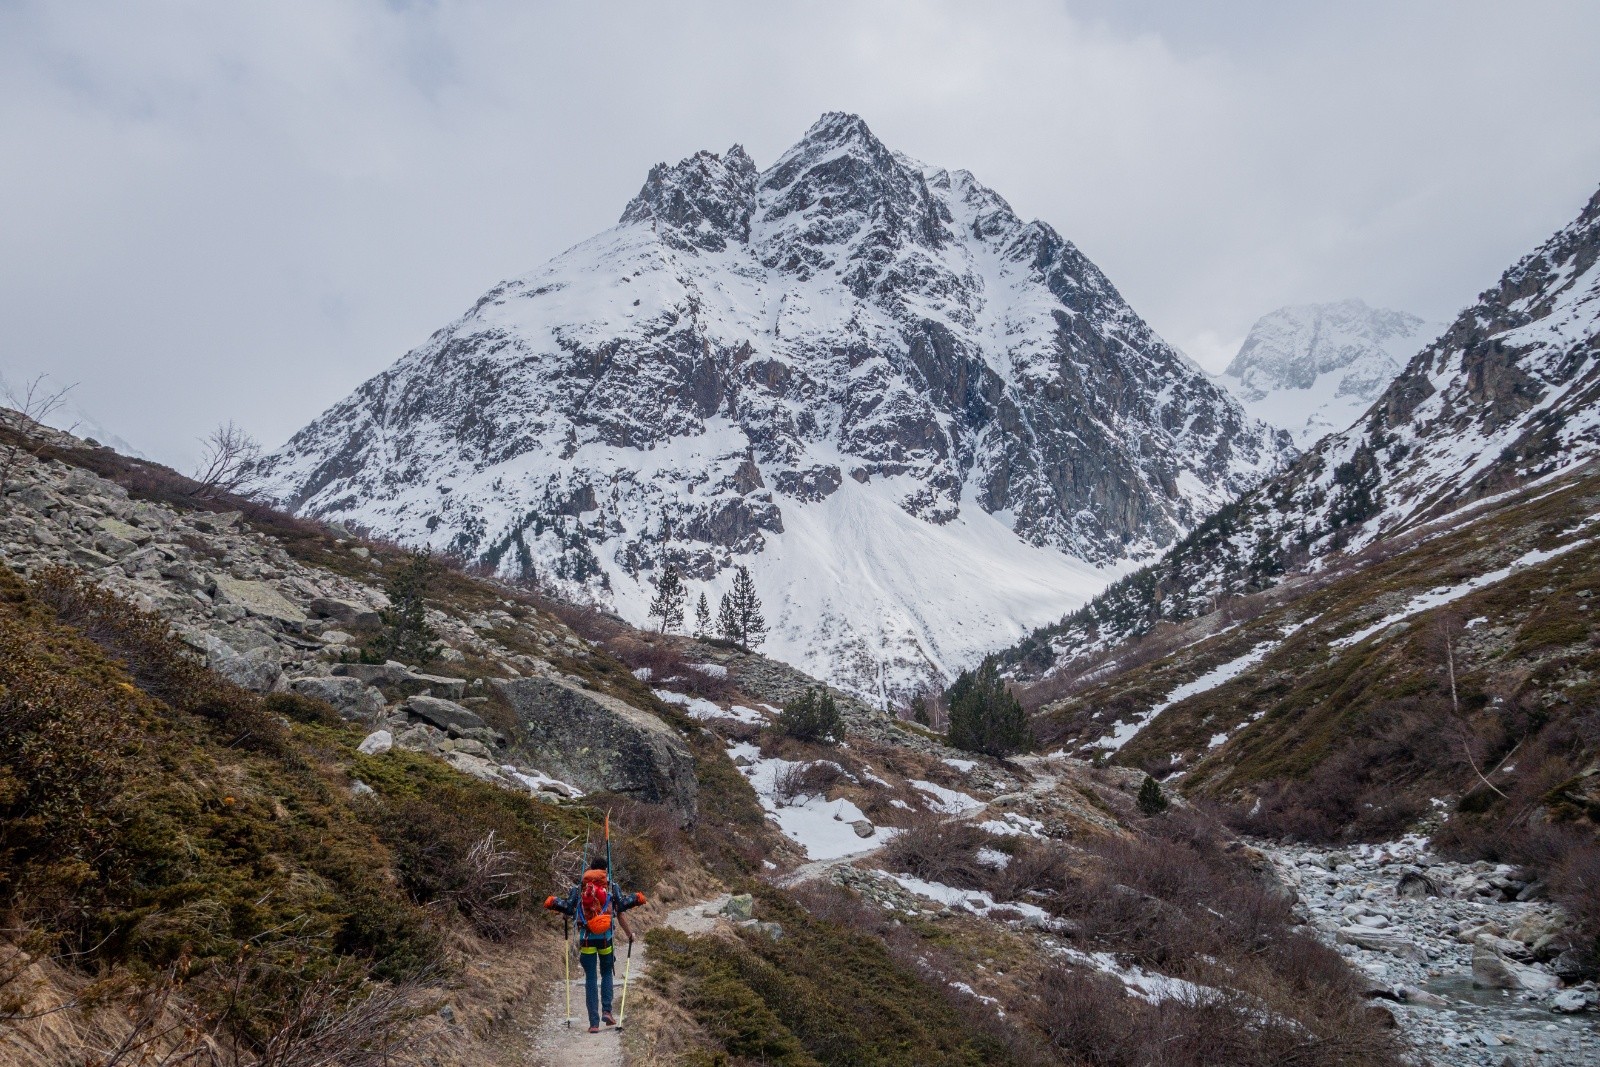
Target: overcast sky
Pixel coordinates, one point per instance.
(242, 210)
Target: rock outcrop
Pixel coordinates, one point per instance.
(599, 743)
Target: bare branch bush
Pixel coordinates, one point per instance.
(227, 457)
(32, 402)
(789, 785)
(275, 1015)
(492, 877)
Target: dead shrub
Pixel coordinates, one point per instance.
(1091, 1020)
(1036, 870)
(447, 858)
(669, 668)
(795, 783)
(1575, 885)
(940, 850)
(279, 1016)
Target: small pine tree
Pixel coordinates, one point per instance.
(702, 617)
(668, 603)
(919, 711)
(739, 618)
(1151, 800)
(984, 716)
(406, 635)
(812, 717)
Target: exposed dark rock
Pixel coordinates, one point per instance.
(599, 743)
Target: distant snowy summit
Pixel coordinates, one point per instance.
(925, 424)
(1314, 369)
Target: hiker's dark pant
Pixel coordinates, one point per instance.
(604, 961)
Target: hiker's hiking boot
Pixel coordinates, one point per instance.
(609, 1019)
(594, 1029)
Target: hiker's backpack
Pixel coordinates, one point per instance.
(594, 903)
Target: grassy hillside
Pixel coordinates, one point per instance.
(1454, 672)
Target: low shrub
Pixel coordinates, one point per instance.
(1090, 1019)
(939, 850)
(795, 782)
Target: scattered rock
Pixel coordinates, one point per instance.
(256, 669)
(1382, 941)
(256, 598)
(215, 522)
(863, 828)
(344, 611)
(1490, 970)
(1570, 1002)
(376, 743)
(1415, 885)
(740, 907)
(124, 532)
(352, 698)
(362, 789)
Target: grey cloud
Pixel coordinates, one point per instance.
(241, 211)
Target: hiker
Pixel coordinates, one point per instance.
(593, 903)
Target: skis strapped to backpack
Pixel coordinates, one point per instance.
(595, 903)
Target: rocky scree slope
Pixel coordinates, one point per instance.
(1508, 394)
(924, 423)
(1313, 369)
(509, 702)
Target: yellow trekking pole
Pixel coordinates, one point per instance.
(566, 958)
(622, 1005)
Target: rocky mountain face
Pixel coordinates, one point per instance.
(1508, 394)
(924, 423)
(1316, 368)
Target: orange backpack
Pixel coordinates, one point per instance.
(594, 903)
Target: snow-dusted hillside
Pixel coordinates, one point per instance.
(925, 424)
(1316, 368)
(1508, 394)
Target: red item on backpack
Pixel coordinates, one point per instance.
(594, 902)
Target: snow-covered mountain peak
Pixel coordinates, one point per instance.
(1315, 368)
(704, 201)
(924, 424)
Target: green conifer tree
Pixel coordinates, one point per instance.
(668, 603)
(812, 717)
(984, 716)
(739, 618)
(406, 635)
(702, 617)
(1151, 800)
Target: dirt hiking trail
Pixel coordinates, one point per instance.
(542, 1038)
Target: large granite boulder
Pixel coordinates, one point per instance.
(256, 598)
(599, 743)
(352, 698)
(447, 715)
